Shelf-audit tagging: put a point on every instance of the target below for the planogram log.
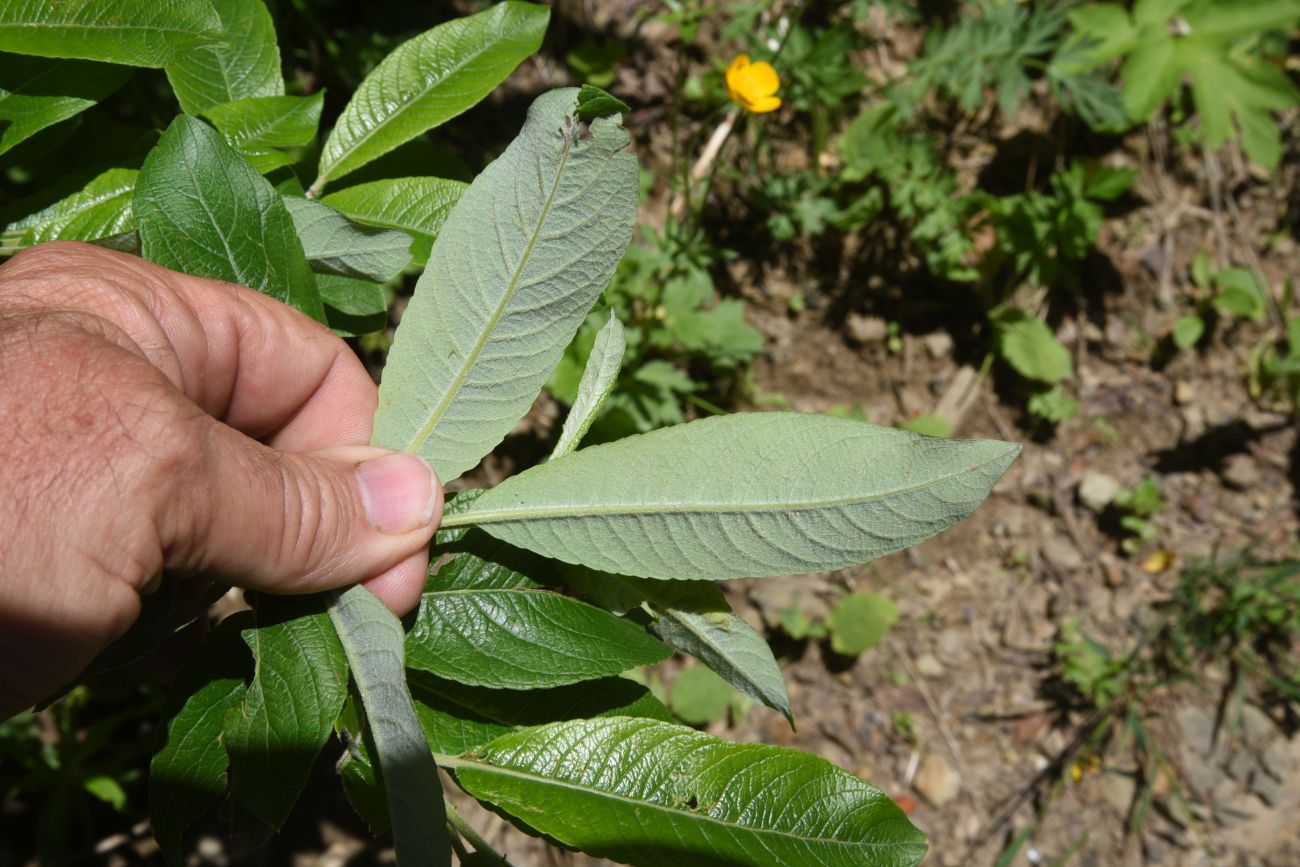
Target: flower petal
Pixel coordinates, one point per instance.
(764, 104)
(762, 79)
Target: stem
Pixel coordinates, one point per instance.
(481, 847)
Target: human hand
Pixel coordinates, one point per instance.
(155, 421)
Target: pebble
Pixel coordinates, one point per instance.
(928, 666)
(938, 344)
(1184, 393)
(1241, 472)
(866, 329)
(1059, 551)
(1256, 726)
(1097, 490)
(937, 781)
(1119, 790)
(951, 648)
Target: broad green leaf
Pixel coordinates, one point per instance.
(188, 771)
(336, 245)
(353, 306)
(428, 80)
(416, 206)
(1152, 72)
(1188, 331)
(743, 495)
(694, 617)
(594, 102)
(597, 382)
(287, 713)
(700, 696)
(38, 92)
(458, 718)
(1106, 31)
(101, 209)
(262, 127)
(1240, 293)
(117, 31)
(1030, 347)
(373, 640)
(520, 261)
(243, 62)
(357, 770)
(202, 209)
(859, 621)
(653, 794)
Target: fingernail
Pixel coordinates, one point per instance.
(399, 492)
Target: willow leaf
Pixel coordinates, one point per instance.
(416, 206)
(597, 382)
(38, 92)
(244, 62)
(373, 640)
(336, 245)
(652, 793)
(430, 79)
(117, 31)
(520, 261)
(100, 209)
(743, 495)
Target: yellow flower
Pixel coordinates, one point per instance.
(753, 86)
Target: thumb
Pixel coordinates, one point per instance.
(299, 523)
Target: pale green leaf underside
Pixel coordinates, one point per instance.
(100, 209)
(335, 245)
(522, 638)
(202, 209)
(430, 79)
(417, 206)
(129, 32)
(244, 62)
(598, 380)
(520, 261)
(38, 92)
(743, 495)
(653, 793)
(373, 640)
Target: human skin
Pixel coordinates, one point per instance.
(155, 426)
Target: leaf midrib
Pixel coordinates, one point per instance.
(471, 358)
(471, 518)
(455, 762)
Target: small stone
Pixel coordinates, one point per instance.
(937, 781)
(1184, 393)
(1241, 472)
(928, 666)
(1277, 761)
(1240, 766)
(1256, 726)
(1267, 789)
(1119, 790)
(1098, 490)
(938, 344)
(951, 648)
(866, 329)
(1058, 551)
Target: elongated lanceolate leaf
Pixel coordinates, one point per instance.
(37, 92)
(458, 718)
(660, 795)
(202, 209)
(695, 618)
(188, 771)
(129, 32)
(519, 263)
(99, 210)
(262, 127)
(243, 62)
(288, 711)
(336, 245)
(597, 382)
(416, 206)
(743, 495)
(373, 640)
(429, 80)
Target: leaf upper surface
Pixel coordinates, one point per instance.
(100, 209)
(429, 80)
(520, 261)
(116, 31)
(693, 799)
(417, 206)
(744, 495)
(244, 62)
(37, 92)
(202, 209)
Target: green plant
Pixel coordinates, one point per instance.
(1136, 507)
(856, 623)
(504, 676)
(1219, 45)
